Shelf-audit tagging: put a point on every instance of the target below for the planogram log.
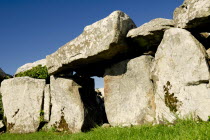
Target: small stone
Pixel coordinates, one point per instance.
(106, 125)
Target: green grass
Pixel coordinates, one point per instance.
(39, 72)
(183, 130)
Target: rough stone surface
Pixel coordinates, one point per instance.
(192, 14)
(73, 104)
(151, 33)
(208, 53)
(29, 66)
(22, 101)
(128, 92)
(181, 77)
(100, 41)
(106, 125)
(67, 108)
(47, 103)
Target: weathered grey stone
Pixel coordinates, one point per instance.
(181, 77)
(128, 92)
(73, 104)
(67, 111)
(100, 41)
(150, 34)
(29, 66)
(47, 103)
(208, 52)
(192, 14)
(22, 101)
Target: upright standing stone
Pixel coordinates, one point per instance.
(181, 77)
(47, 103)
(67, 113)
(73, 104)
(22, 101)
(100, 41)
(128, 92)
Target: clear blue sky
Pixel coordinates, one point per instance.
(32, 29)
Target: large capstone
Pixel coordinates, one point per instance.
(22, 101)
(181, 77)
(148, 36)
(73, 104)
(99, 42)
(193, 14)
(128, 92)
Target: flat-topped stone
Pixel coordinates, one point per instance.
(101, 41)
(151, 33)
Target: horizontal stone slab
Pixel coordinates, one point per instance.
(99, 42)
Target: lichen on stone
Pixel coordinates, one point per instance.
(171, 101)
